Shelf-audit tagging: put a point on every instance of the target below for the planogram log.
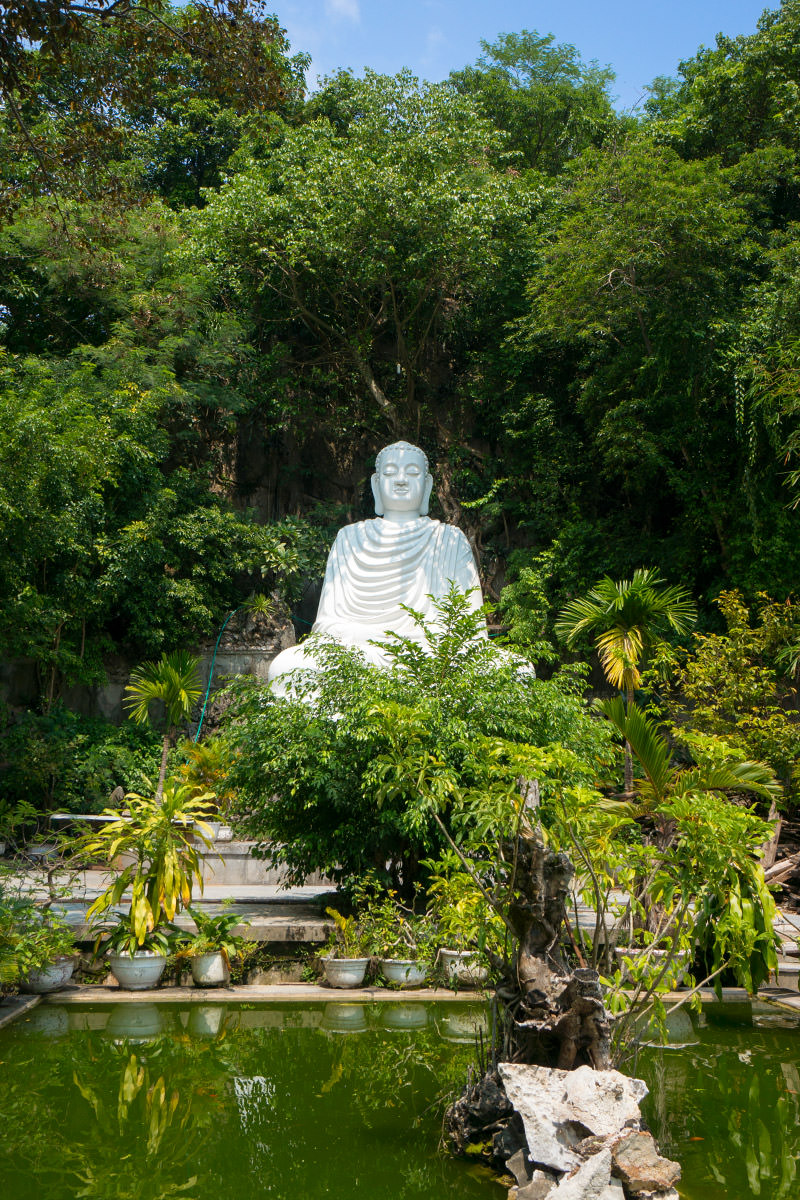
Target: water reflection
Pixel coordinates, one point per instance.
(136, 1022)
(345, 1018)
(728, 1107)
(216, 1102)
(402, 1017)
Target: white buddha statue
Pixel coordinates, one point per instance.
(399, 557)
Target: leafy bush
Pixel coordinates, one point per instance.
(737, 686)
(29, 938)
(303, 768)
(62, 761)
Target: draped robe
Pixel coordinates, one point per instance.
(373, 568)
(376, 566)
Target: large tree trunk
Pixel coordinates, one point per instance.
(545, 1013)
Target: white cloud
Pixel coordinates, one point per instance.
(347, 9)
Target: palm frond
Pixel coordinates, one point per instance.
(646, 743)
(730, 777)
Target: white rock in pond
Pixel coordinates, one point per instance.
(559, 1108)
(539, 1187)
(590, 1181)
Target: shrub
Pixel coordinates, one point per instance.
(303, 767)
(63, 761)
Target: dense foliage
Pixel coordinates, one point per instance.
(219, 297)
(334, 785)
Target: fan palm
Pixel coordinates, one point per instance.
(174, 681)
(628, 618)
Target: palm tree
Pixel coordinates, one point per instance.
(629, 618)
(674, 796)
(661, 783)
(174, 681)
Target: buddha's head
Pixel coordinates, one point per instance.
(402, 482)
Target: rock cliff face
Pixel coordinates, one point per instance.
(247, 647)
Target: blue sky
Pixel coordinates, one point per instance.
(639, 39)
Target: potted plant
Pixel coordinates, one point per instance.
(466, 925)
(403, 941)
(348, 952)
(207, 765)
(156, 836)
(212, 946)
(40, 948)
(136, 963)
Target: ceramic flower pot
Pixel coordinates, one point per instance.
(138, 972)
(345, 972)
(403, 971)
(210, 970)
(463, 968)
(50, 978)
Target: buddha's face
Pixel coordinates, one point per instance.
(401, 485)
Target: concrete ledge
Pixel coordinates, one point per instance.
(735, 995)
(300, 931)
(14, 1007)
(259, 993)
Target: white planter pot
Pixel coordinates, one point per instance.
(463, 968)
(139, 972)
(225, 834)
(345, 972)
(51, 978)
(210, 970)
(2, 849)
(403, 971)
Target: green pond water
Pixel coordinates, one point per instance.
(725, 1102)
(212, 1103)
(146, 1102)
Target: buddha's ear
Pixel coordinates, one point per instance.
(376, 495)
(426, 496)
